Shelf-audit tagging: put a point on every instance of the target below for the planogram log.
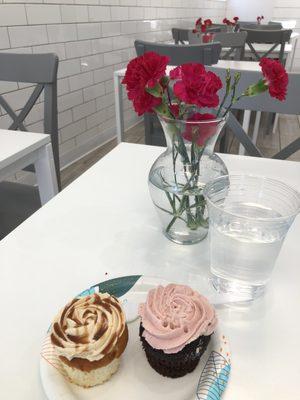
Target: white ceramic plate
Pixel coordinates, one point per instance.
(135, 379)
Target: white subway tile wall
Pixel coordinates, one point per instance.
(92, 38)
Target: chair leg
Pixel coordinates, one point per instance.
(242, 136)
(224, 142)
(148, 129)
(270, 122)
(46, 174)
(275, 125)
(246, 123)
(256, 127)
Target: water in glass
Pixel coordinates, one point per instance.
(247, 230)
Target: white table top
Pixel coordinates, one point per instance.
(232, 64)
(105, 222)
(15, 145)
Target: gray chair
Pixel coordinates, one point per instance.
(180, 35)
(202, 53)
(213, 29)
(242, 24)
(271, 26)
(276, 25)
(273, 37)
(220, 27)
(263, 103)
(260, 27)
(207, 54)
(233, 42)
(19, 201)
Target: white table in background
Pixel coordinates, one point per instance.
(104, 225)
(20, 149)
(119, 75)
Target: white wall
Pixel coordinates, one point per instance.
(289, 10)
(91, 38)
(248, 10)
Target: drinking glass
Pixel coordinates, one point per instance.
(249, 217)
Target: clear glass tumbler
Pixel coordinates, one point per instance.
(249, 218)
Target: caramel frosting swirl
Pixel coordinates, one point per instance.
(174, 316)
(88, 327)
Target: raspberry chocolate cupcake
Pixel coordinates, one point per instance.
(89, 335)
(176, 326)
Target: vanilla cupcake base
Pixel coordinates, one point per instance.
(94, 377)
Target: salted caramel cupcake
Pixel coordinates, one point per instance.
(176, 326)
(89, 336)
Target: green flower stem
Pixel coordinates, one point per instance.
(181, 207)
(193, 221)
(228, 85)
(237, 77)
(182, 149)
(171, 224)
(174, 157)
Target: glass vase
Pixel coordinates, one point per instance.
(179, 175)
(207, 37)
(231, 28)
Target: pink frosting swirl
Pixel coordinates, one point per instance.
(174, 316)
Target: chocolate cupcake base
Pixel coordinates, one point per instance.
(177, 364)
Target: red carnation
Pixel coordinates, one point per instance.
(236, 19)
(207, 38)
(203, 28)
(225, 20)
(276, 77)
(144, 71)
(174, 108)
(152, 83)
(197, 86)
(208, 22)
(175, 73)
(200, 133)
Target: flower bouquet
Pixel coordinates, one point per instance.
(231, 24)
(201, 28)
(192, 115)
(259, 19)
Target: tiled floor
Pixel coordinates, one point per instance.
(288, 130)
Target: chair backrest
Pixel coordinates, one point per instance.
(222, 27)
(41, 70)
(207, 54)
(264, 103)
(272, 37)
(196, 37)
(263, 27)
(234, 42)
(212, 29)
(245, 23)
(277, 25)
(180, 35)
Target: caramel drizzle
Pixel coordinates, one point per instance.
(110, 344)
(107, 304)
